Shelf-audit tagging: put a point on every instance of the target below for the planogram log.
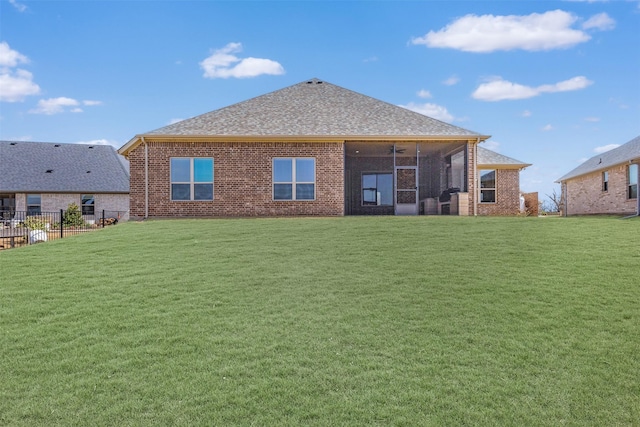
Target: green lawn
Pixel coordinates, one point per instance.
(332, 321)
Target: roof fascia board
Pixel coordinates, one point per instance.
(137, 140)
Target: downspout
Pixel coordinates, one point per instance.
(146, 178)
(475, 177)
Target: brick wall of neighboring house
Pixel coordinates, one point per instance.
(585, 196)
(507, 194)
(53, 202)
(242, 179)
(470, 181)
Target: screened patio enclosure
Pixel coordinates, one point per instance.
(404, 178)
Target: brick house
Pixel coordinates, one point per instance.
(605, 184)
(39, 177)
(313, 148)
(499, 177)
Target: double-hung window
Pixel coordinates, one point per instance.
(191, 178)
(632, 179)
(88, 204)
(294, 178)
(34, 204)
(487, 186)
(377, 189)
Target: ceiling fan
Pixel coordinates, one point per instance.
(397, 150)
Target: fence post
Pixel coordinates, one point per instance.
(103, 221)
(61, 224)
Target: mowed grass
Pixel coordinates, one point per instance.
(330, 322)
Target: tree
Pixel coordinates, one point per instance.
(555, 202)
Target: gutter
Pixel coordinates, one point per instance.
(475, 178)
(146, 178)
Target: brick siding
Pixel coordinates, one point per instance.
(242, 179)
(584, 195)
(507, 194)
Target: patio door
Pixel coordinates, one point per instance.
(406, 190)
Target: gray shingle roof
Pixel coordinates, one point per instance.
(488, 157)
(75, 168)
(313, 108)
(621, 154)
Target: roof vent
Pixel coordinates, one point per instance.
(309, 82)
(91, 146)
(319, 82)
(88, 171)
(57, 145)
(49, 171)
(13, 143)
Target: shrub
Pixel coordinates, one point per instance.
(72, 216)
(35, 222)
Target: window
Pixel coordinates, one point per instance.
(88, 204)
(294, 178)
(377, 189)
(605, 181)
(488, 186)
(34, 204)
(632, 172)
(191, 178)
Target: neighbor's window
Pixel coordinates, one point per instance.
(191, 178)
(34, 204)
(632, 173)
(377, 189)
(605, 181)
(488, 186)
(294, 178)
(88, 204)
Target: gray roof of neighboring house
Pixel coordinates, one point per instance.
(313, 108)
(488, 157)
(74, 168)
(621, 154)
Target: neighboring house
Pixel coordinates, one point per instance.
(38, 177)
(604, 184)
(313, 148)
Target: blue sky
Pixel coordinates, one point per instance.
(553, 82)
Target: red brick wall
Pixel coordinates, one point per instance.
(507, 194)
(584, 195)
(242, 179)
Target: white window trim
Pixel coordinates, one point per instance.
(192, 180)
(293, 181)
(494, 189)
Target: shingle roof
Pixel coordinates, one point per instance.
(312, 108)
(488, 157)
(77, 168)
(621, 154)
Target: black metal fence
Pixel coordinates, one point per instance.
(19, 228)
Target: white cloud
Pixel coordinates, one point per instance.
(19, 6)
(16, 85)
(54, 105)
(601, 21)
(437, 112)
(602, 149)
(592, 119)
(526, 113)
(498, 89)
(489, 33)
(220, 64)
(424, 94)
(100, 142)
(60, 105)
(548, 128)
(451, 81)
(371, 59)
(10, 57)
